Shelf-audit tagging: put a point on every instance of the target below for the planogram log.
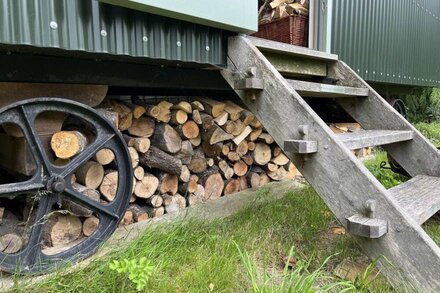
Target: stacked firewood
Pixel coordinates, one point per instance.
(276, 9)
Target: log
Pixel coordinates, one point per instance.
(229, 127)
(248, 160)
(278, 175)
(111, 116)
(77, 209)
(155, 158)
(271, 167)
(65, 229)
(233, 157)
(175, 203)
(155, 212)
(10, 243)
(134, 156)
(190, 186)
(225, 169)
(197, 197)
(147, 186)
(90, 174)
(215, 134)
(212, 150)
(292, 171)
(104, 156)
(243, 183)
(242, 148)
(255, 134)
(281, 159)
(125, 116)
(256, 123)
(197, 105)
(262, 154)
(184, 174)
(232, 186)
(178, 117)
(196, 117)
(90, 225)
(247, 117)
(222, 119)
(210, 162)
(155, 201)
(207, 121)
(165, 112)
(251, 146)
(136, 110)
(169, 183)
(166, 139)
(186, 152)
(67, 144)
(225, 150)
(239, 128)
(240, 168)
(188, 130)
(141, 144)
(142, 127)
(183, 106)
(266, 137)
(153, 111)
(213, 183)
(213, 107)
(241, 137)
(109, 185)
(253, 179)
(140, 213)
(196, 141)
(233, 110)
(277, 151)
(128, 218)
(197, 165)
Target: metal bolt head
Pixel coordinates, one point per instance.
(207, 48)
(103, 33)
(53, 25)
(145, 39)
(178, 44)
(58, 186)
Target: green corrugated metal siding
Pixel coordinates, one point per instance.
(87, 25)
(389, 41)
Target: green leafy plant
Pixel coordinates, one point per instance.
(139, 270)
(424, 105)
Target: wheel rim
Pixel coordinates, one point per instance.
(50, 184)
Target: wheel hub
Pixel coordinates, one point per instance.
(56, 184)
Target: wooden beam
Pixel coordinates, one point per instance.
(370, 138)
(321, 90)
(295, 66)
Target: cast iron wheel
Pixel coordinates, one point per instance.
(51, 184)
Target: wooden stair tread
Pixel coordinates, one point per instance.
(320, 90)
(370, 138)
(273, 46)
(419, 197)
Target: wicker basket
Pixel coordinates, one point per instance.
(293, 30)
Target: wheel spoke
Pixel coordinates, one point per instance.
(33, 248)
(12, 189)
(33, 140)
(89, 203)
(85, 155)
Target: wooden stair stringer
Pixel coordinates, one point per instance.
(376, 113)
(338, 177)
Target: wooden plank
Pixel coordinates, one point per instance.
(301, 146)
(366, 227)
(272, 46)
(418, 157)
(335, 173)
(295, 66)
(419, 197)
(320, 90)
(370, 138)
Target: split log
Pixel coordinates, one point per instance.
(243, 183)
(186, 152)
(229, 127)
(64, 229)
(215, 134)
(134, 156)
(196, 117)
(239, 128)
(256, 123)
(155, 212)
(255, 134)
(281, 159)
(164, 114)
(262, 154)
(247, 117)
(212, 150)
(184, 174)
(197, 164)
(213, 183)
(189, 130)
(153, 111)
(225, 169)
(169, 183)
(197, 105)
(78, 209)
(140, 213)
(109, 185)
(90, 174)
(196, 141)
(155, 158)
(240, 168)
(225, 150)
(111, 116)
(233, 110)
(278, 175)
(207, 121)
(10, 243)
(248, 160)
(266, 137)
(241, 137)
(178, 117)
(253, 179)
(128, 218)
(67, 144)
(142, 127)
(197, 197)
(242, 148)
(190, 186)
(104, 156)
(271, 167)
(175, 203)
(233, 157)
(155, 201)
(147, 186)
(292, 171)
(251, 145)
(125, 116)
(90, 225)
(213, 107)
(277, 151)
(232, 186)
(221, 119)
(166, 138)
(183, 106)
(264, 179)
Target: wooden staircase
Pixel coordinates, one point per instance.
(272, 78)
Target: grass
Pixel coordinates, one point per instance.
(431, 131)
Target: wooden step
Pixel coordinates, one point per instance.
(419, 197)
(370, 138)
(320, 90)
(277, 47)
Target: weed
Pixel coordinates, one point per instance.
(139, 271)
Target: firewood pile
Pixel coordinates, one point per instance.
(276, 9)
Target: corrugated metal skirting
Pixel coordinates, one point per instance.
(87, 25)
(390, 41)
